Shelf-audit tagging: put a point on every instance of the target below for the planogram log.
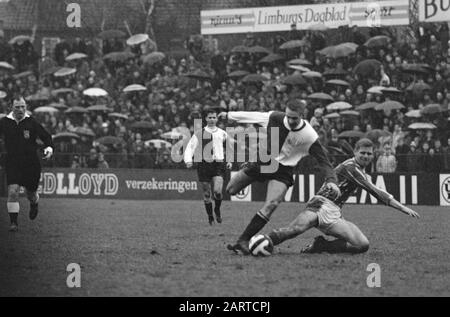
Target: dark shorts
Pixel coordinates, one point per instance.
(284, 174)
(27, 174)
(206, 171)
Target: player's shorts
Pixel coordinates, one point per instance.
(26, 174)
(206, 171)
(328, 212)
(284, 174)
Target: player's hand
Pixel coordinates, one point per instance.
(229, 165)
(189, 165)
(222, 115)
(48, 152)
(334, 188)
(410, 212)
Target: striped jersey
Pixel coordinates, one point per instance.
(351, 176)
(206, 145)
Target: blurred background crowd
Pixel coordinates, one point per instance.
(116, 101)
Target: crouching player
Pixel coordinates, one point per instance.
(323, 211)
(23, 168)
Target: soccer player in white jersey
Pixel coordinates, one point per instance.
(323, 211)
(296, 139)
(207, 149)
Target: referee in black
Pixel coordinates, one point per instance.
(23, 168)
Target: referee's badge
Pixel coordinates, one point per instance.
(26, 134)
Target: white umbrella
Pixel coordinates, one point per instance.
(376, 90)
(45, 109)
(6, 65)
(300, 68)
(134, 87)
(422, 126)
(158, 143)
(172, 135)
(65, 71)
(340, 105)
(75, 56)
(413, 114)
(2, 94)
(95, 92)
(137, 39)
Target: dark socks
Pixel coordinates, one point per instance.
(255, 225)
(218, 203)
(13, 218)
(209, 208)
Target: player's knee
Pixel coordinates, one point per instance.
(363, 246)
(232, 190)
(273, 204)
(217, 195)
(206, 197)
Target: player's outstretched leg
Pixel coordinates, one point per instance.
(208, 202)
(13, 207)
(350, 239)
(217, 189)
(33, 197)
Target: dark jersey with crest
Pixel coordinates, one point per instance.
(350, 177)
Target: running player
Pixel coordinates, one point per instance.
(23, 168)
(207, 146)
(323, 211)
(296, 139)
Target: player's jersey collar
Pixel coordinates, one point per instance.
(10, 116)
(300, 126)
(209, 130)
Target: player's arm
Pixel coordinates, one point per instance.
(190, 150)
(254, 117)
(46, 138)
(316, 150)
(361, 180)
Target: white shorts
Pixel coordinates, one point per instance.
(328, 212)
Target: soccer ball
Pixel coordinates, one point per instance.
(261, 245)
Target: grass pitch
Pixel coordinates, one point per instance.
(167, 248)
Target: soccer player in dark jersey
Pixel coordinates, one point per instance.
(23, 168)
(323, 211)
(207, 146)
(296, 139)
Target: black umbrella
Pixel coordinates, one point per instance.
(271, 58)
(294, 80)
(254, 78)
(199, 75)
(238, 74)
(378, 41)
(258, 50)
(145, 125)
(109, 140)
(367, 68)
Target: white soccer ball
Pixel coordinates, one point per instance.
(261, 245)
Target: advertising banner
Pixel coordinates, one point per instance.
(280, 18)
(434, 10)
(444, 189)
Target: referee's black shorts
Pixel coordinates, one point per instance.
(206, 171)
(26, 173)
(284, 174)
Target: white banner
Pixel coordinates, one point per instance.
(332, 15)
(434, 10)
(444, 189)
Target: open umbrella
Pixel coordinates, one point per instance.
(300, 61)
(100, 108)
(2, 94)
(333, 115)
(378, 41)
(65, 71)
(389, 105)
(37, 97)
(199, 74)
(144, 125)
(6, 65)
(351, 134)
(19, 38)
(337, 51)
(240, 49)
(312, 74)
(376, 90)
(431, 109)
(350, 113)
(418, 88)
(293, 44)
(59, 106)
(23, 74)
(65, 135)
(318, 27)
(415, 69)
(300, 68)
(51, 70)
(109, 140)
(321, 96)
(118, 56)
(137, 39)
(118, 115)
(111, 34)
(271, 58)
(95, 92)
(375, 134)
(172, 135)
(367, 68)
(76, 110)
(75, 56)
(258, 50)
(293, 80)
(367, 106)
(391, 90)
(45, 109)
(335, 72)
(134, 87)
(238, 74)
(413, 114)
(340, 105)
(338, 82)
(422, 126)
(84, 131)
(157, 143)
(254, 78)
(153, 58)
(62, 91)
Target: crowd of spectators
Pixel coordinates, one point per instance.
(179, 88)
